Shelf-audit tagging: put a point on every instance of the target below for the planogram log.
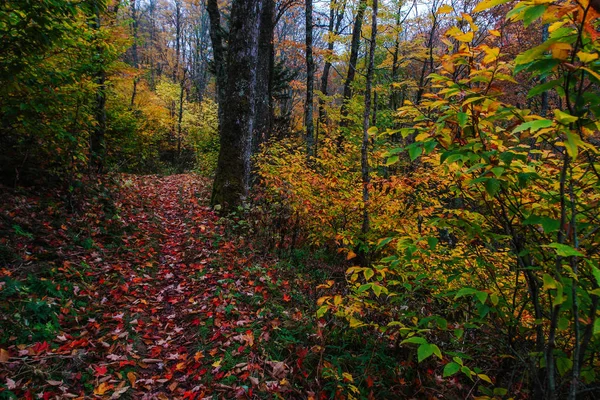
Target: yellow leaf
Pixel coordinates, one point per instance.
(445, 9)
(350, 255)
(217, 363)
(587, 57)
(337, 300)
(464, 37)
(487, 4)
(560, 50)
(495, 32)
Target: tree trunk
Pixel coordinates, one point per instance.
(232, 177)
(216, 37)
(310, 72)
(336, 17)
(97, 138)
(264, 85)
(364, 159)
(354, 47)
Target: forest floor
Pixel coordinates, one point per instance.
(133, 290)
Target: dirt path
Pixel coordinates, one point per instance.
(173, 310)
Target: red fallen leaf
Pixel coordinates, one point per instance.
(287, 297)
(40, 347)
(124, 363)
(369, 381)
(196, 322)
(100, 370)
(189, 395)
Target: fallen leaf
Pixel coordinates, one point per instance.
(103, 388)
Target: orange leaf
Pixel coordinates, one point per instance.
(102, 388)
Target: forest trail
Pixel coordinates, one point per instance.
(174, 311)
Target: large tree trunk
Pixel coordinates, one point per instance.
(354, 48)
(231, 183)
(264, 81)
(310, 77)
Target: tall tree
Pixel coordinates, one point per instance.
(310, 77)
(265, 75)
(336, 16)
(354, 48)
(232, 177)
(364, 152)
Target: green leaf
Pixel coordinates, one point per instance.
(563, 365)
(364, 287)
(549, 225)
(481, 296)
(462, 118)
(450, 369)
(533, 13)
(368, 273)
(414, 151)
(596, 329)
(533, 125)
(392, 160)
(465, 292)
(492, 186)
(549, 282)
(544, 87)
(424, 351)
(564, 118)
(596, 273)
(322, 311)
(432, 242)
(573, 143)
(564, 250)
(414, 340)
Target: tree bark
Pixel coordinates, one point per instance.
(354, 47)
(310, 77)
(97, 137)
(232, 177)
(264, 87)
(336, 17)
(364, 159)
(216, 37)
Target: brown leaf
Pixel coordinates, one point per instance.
(132, 378)
(4, 355)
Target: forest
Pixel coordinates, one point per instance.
(300, 199)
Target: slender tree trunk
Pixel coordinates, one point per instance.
(97, 138)
(216, 37)
(354, 48)
(180, 113)
(395, 67)
(310, 72)
(429, 62)
(177, 38)
(232, 177)
(364, 159)
(336, 17)
(134, 50)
